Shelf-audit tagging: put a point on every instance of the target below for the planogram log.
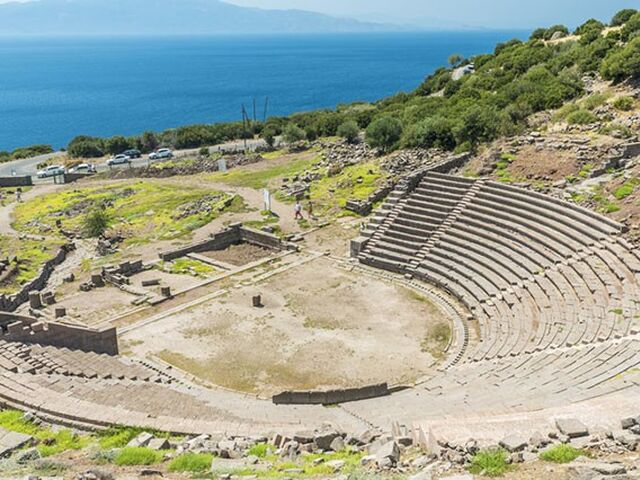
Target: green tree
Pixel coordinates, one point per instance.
(455, 59)
(84, 146)
(149, 142)
(550, 32)
(384, 133)
(117, 145)
(349, 130)
(293, 133)
(269, 135)
(96, 222)
(631, 27)
(588, 25)
(434, 132)
(622, 17)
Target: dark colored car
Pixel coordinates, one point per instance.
(133, 153)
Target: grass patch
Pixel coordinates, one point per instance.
(191, 462)
(330, 194)
(562, 454)
(491, 463)
(51, 442)
(260, 450)
(581, 117)
(31, 254)
(437, 340)
(624, 104)
(117, 437)
(258, 178)
(187, 266)
(140, 211)
(502, 166)
(626, 189)
(129, 456)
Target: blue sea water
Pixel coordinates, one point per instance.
(52, 89)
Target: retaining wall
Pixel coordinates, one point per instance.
(12, 302)
(25, 181)
(18, 328)
(230, 236)
(331, 397)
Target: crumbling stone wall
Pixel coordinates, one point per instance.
(17, 328)
(12, 302)
(230, 236)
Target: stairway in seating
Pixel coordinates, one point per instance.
(406, 223)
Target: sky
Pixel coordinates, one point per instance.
(460, 13)
(506, 14)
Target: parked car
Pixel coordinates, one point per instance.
(118, 160)
(160, 154)
(133, 153)
(51, 171)
(84, 168)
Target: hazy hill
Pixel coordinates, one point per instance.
(105, 17)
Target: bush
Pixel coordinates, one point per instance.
(624, 104)
(622, 63)
(86, 147)
(581, 117)
(259, 450)
(562, 454)
(32, 151)
(137, 456)
(203, 152)
(96, 222)
(622, 17)
(492, 463)
(349, 130)
(433, 132)
(293, 133)
(191, 462)
(384, 133)
(269, 135)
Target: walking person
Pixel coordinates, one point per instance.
(310, 210)
(298, 210)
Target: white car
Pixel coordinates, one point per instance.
(160, 154)
(51, 171)
(118, 160)
(83, 168)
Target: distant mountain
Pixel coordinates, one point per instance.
(164, 17)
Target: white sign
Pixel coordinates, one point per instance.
(222, 165)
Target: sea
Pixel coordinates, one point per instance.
(52, 89)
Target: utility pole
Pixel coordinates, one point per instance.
(245, 120)
(266, 106)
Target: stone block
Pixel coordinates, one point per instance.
(514, 443)
(142, 440)
(159, 444)
(11, 441)
(388, 452)
(572, 427)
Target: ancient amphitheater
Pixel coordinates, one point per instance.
(543, 296)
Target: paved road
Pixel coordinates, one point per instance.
(28, 166)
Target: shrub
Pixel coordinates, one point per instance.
(137, 456)
(86, 147)
(293, 133)
(622, 17)
(269, 135)
(203, 152)
(562, 454)
(433, 132)
(624, 104)
(581, 117)
(384, 133)
(349, 130)
(32, 151)
(96, 222)
(622, 63)
(492, 463)
(191, 462)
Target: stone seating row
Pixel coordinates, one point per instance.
(535, 274)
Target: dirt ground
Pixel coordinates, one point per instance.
(239, 255)
(320, 327)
